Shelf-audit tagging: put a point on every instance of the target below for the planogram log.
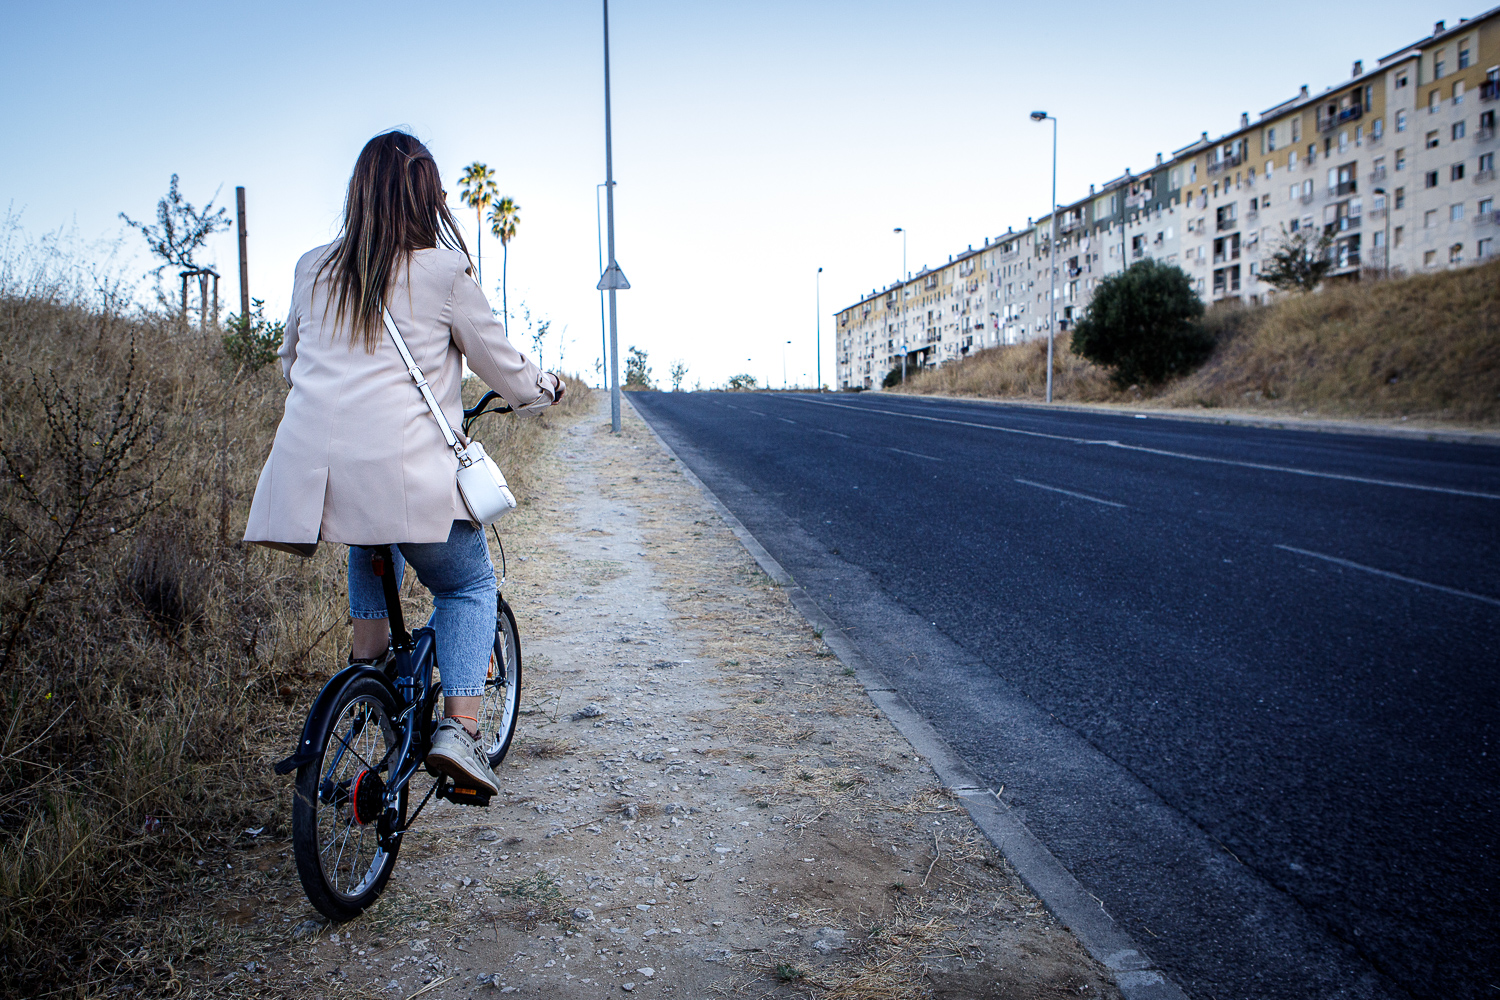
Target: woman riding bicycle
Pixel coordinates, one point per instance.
(358, 459)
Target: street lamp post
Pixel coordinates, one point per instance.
(783, 363)
(901, 290)
(1385, 251)
(818, 308)
(613, 279)
(1041, 116)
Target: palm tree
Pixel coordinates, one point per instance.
(477, 190)
(504, 218)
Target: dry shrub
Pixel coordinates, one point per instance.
(153, 667)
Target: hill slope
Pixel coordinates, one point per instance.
(1426, 346)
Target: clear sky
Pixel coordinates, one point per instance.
(754, 143)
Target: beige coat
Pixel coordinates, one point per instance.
(358, 458)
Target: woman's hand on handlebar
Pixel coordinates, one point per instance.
(561, 388)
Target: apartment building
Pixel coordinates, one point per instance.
(1396, 165)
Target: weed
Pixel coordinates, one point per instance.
(787, 972)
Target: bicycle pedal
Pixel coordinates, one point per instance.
(464, 796)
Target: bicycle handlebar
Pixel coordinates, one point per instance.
(478, 409)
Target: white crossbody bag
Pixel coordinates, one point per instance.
(480, 481)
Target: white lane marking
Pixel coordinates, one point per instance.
(731, 406)
(913, 454)
(1056, 489)
(1392, 576)
(834, 433)
(1291, 470)
(785, 420)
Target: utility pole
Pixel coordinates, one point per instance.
(901, 290)
(613, 278)
(818, 308)
(239, 204)
(1041, 116)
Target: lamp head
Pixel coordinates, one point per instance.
(1038, 116)
(1380, 190)
(898, 229)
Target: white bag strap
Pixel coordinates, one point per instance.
(421, 381)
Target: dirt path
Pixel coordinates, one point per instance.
(701, 800)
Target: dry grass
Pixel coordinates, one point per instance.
(1426, 346)
(152, 667)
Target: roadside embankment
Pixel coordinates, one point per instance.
(1424, 348)
(149, 663)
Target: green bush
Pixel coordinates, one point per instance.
(252, 342)
(1144, 326)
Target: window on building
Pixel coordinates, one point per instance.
(1458, 92)
(1456, 172)
(1432, 139)
(1434, 101)
(1463, 54)
(1429, 259)
(1430, 179)
(1401, 79)
(1486, 206)
(1401, 159)
(1400, 121)
(1193, 172)
(1429, 218)
(1401, 197)
(1485, 248)
(1312, 151)
(1459, 129)
(1456, 212)
(1396, 236)
(1344, 141)
(1486, 164)
(1439, 64)
(1377, 128)
(1456, 254)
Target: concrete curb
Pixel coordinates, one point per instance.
(1242, 418)
(1079, 911)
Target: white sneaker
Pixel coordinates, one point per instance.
(461, 757)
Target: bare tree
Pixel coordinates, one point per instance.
(181, 230)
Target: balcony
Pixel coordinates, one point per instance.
(1226, 163)
(1228, 225)
(1377, 175)
(1307, 197)
(1487, 219)
(1069, 224)
(1489, 90)
(1251, 216)
(1483, 176)
(1346, 188)
(1136, 253)
(1484, 134)
(1348, 114)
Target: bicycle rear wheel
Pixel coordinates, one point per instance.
(337, 805)
(502, 688)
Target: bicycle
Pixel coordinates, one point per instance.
(366, 738)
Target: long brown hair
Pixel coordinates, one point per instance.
(395, 205)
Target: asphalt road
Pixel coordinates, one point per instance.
(1241, 681)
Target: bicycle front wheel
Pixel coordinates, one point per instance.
(502, 688)
(336, 811)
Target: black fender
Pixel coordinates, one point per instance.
(319, 718)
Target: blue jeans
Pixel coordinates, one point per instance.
(462, 580)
